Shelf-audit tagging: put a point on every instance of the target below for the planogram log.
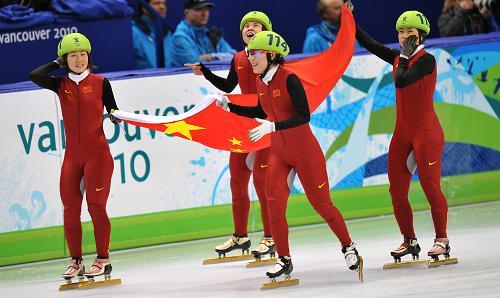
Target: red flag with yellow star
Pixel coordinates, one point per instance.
(211, 126)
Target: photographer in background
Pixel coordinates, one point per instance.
(466, 17)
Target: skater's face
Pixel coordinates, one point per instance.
(258, 59)
(78, 61)
(405, 32)
(249, 30)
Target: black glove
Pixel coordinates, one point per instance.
(409, 45)
(350, 5)
(114, 119)
(60, 61)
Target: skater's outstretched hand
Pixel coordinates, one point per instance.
(350, 5)
(113, 118)
(222, 101)
(409, 45)
(196, 68)
(260, 131)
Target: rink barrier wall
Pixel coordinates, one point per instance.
(205, 222)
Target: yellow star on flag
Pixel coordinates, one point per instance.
(235, 142)
(182, 128)
(237, 150)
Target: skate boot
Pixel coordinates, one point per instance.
(234, 242)
(75, 269)
(265, 247)
(98, 268)
(441, 247)
(353, 260)
(283, 266)
(409, 246)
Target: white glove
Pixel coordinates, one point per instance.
(260, 131)
(222, 101)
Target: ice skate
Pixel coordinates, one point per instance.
(265, 247)
(76, 269)
(234, 242)
(441, 247)
(100, 267)
(284, 267)
(353, 260)
(409, 246)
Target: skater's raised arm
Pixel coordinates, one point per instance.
(40, 76)
(299, 100)
(406, 76)
(374, 47)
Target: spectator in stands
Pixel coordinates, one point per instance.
(462, 17)
(320, 37)
(194, 40)
(143, 35)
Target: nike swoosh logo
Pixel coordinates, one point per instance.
(99, 189)
(260, 94)
(240, 67)
(320, 186)
(432, 163)
(264, 166)
(66, 91)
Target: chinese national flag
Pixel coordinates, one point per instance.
(211, 126)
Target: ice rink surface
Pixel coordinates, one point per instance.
(175, 270)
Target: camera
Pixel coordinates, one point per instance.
(485, 3)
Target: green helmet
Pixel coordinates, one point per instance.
(413, 19)
(269, 41)
(259, 17)
(73, 42)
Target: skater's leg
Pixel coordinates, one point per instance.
(399, 180)
(71, 197)
(277, 191)
(98, 171)
(428, 156)
(260, 166)
(313, 176)
(240, 175)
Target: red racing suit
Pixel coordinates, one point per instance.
(293, 146)
(87, 154)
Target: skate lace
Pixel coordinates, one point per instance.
(278, 266)
(74, 266)
(403, 246)
(230, 242)
(264, 244)
(438, 245)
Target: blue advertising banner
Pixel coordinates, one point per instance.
(26, 49)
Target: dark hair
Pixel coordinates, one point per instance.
(90, 66)
(422, 36)
(278, 59)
